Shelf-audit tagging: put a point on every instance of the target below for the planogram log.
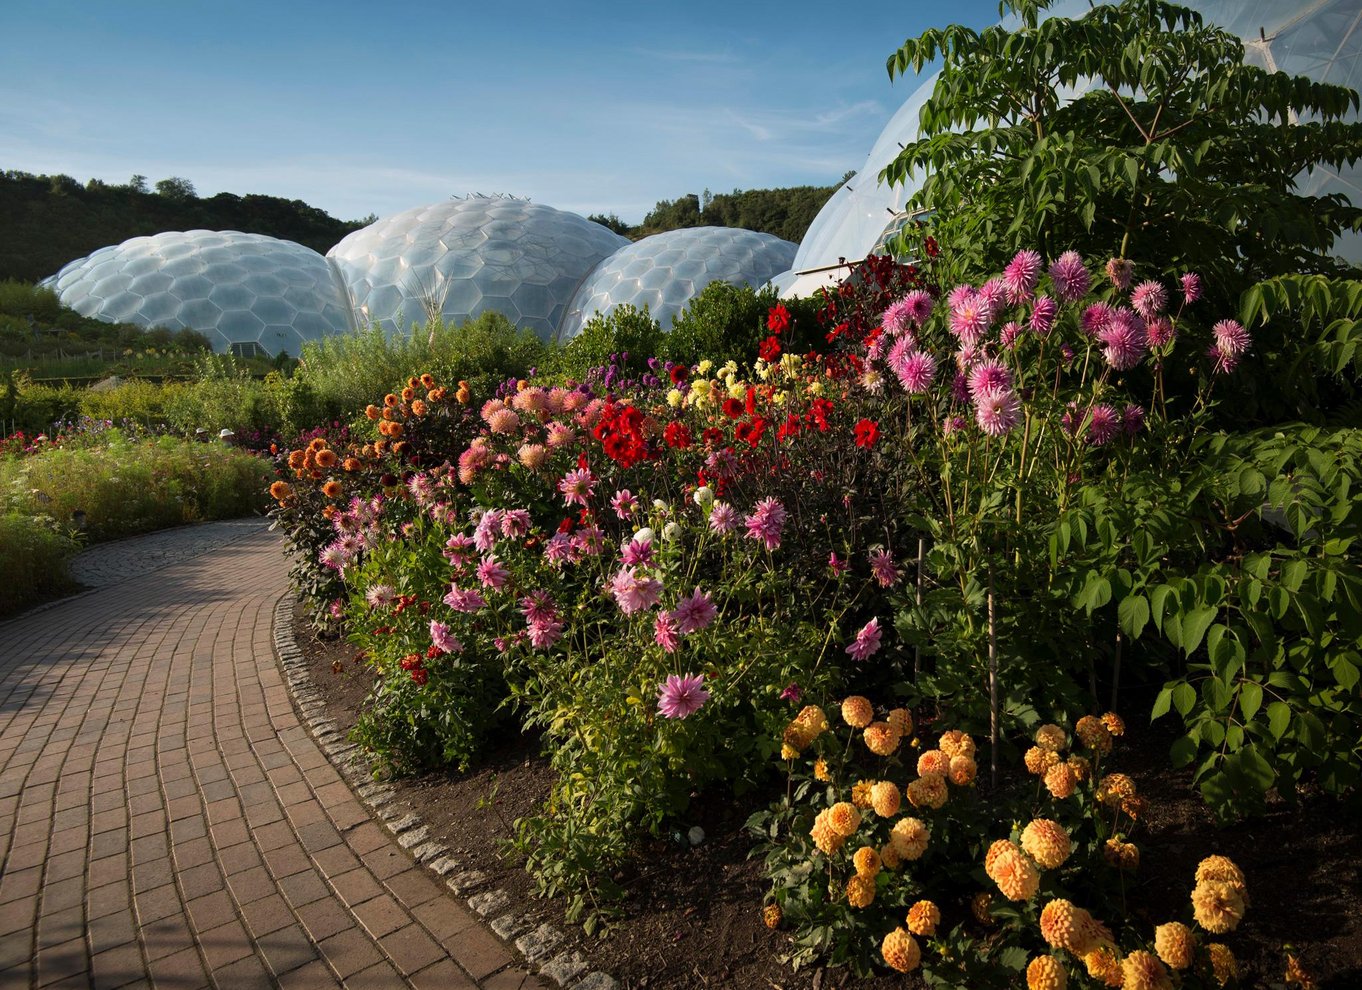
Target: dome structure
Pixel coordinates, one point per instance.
(242, 291)
(666, 271)
(1315, 38)
(464, 257)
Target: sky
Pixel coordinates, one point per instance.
(376, 107)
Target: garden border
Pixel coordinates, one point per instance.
(509, 920)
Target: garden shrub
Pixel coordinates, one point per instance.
(623, 340)
(34, 551)
(730, 321)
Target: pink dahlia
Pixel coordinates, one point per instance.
(333, 556)
(638, 553)
(958, 295)
(633, 592)
(515, 522)
(1223, 362)
(723, 518)
(576, 486)
(1009, 334)
(1159, 331)
(588, 541)
(960, 387)
(1095, 319)
(1191, 287)
(503, 421)
(665, 633)
(624, 502)
(491, 574)
(488, 529)
(1230, 338)
(1120, 271)
(896, 318)
(883, 569)
(681, 697)
(1070, 277)
(558, 548)
(969, 320)
(1149, 299)
(867, 641)
(766, 522)
(915, 372)
(1021, 276)
(988, 375)
(836, 564)
(457, 549)
(1104, 423)
(558, 435)
(993, 294)
(544, 633)
(919, 306)
(1126, 340)
(1043, 315)
(695, 612)
(998, 411)
(465, 600)
(380, 595)
(1132, 419)
(442, 639)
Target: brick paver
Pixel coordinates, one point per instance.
(167, 821)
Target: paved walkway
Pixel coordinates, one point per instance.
(165, 819)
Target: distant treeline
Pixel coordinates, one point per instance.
(49, 220)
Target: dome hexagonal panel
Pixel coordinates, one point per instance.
(468, 256)
(666, 271)
(212, 282)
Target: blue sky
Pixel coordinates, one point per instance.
(377, 107)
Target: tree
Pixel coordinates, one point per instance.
(1175, 155)
(176, 188)
(138, 183)
(611, 221)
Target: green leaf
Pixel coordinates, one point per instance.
(1250, 699)
(1162, 704)
(1194, 624)
(1345, 672)
(1184, 697)
(1278, 718)
(1133, 615)
(1183, 751)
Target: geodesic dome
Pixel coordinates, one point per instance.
(666, 271)
(468, 256)
(1315, 38)
(241, 290)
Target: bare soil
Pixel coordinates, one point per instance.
(692, 915)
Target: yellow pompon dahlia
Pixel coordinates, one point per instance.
(884, 798)
(998, 847)
(1093, 734)
(1039, 760)
(1051, 737)
(928, 791)
(981, 906)
(1080, 765)
(1217, 906)
(771, 916)
(963, 770)
(861, 792)
(1047, 843)
(1060, 780)
(1142, 970)
(1104, 965)
(867, 862)
(1175, 944)
(900, 951)
(933, 761)
(1114, 723)
(1060, 924)
(923, 917)
(825, 837)
(910, 837)
(881, 738)
(857, 712)
(1221, 868)
(1114, 788)
(844, 818)
(813, 720)
(1016, 876)
(1121, 855)
(890, 858)
(1046, 973)
(860, 891)
(955, 743)
(788, 752)
(1224, 967)
(820, 771)
(901, 719)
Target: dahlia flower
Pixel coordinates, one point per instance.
(624, 502)
(1224, 967)
(900, 951)
(963, 770)
(844, 818)
(928, 791)
(1060, 780)
(1070, 276)
(695, 612)
(576, 486)
(884, 798)
(1149, 299)
(1047, 843)
(765, 522)
(1043, 314)
(1021, 276)
(901, 719)
(860, 891)
(1120, 271)
(1046, 973)
(881, 738)
(665, 633)
(882, 568)
(1175, 944)
(923, 917)
(1104, 423)
(491, 574)
(909, 837)
(915, 371)
(867, 642)
(465, 600)
(1015, 875)
(1217, 906)
(997, 411)
(1051, 737)
(1125, 340)
(1142, 970)
(857, 711)
(682, 696)
(1231, 339)
(442, 639)
(866, 861)
(988, 375)
(633, 592)
(933, 761)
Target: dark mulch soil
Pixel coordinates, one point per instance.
(692, 915)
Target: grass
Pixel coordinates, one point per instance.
(33, 559)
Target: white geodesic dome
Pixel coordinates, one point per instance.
(666, 271)
(1315, 38)
(242, 291)
(467, 256)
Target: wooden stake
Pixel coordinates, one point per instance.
(992, 681)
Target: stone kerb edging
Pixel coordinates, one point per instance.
(511, 921)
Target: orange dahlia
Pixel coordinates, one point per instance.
(923, 917)
(857, 712)
(1046, 973)
(1046, 842)
(900, 951)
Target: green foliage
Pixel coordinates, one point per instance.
(729, 321)
(605, 339)
(33, 555)
(47, 221)
(785, 213)
(1177, 156)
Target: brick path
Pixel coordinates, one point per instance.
(165, 820)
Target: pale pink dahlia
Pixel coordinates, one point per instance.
(681, 697)
(916, 371)
(867, 641)
(988, 375)
(488, 530)
(1070, 277)
(883, 569)
(380, 595)
(723, 518)
(544, 633)
(576, 486)
(665, 633)
(1191, 287)
(503, 421)
(766, 522)
(1120, 271)
(1230, 337)
(633, 592)
(624, 503)
(442, 639)
(1149, 299)
(695, 612)
(465, 600)
(491, 574)
(558, 435)
(333, 556)
(997, 412)
(515, 523)
(1021, 276)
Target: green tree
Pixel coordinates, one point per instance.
(1175, 154)
(176, 188)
